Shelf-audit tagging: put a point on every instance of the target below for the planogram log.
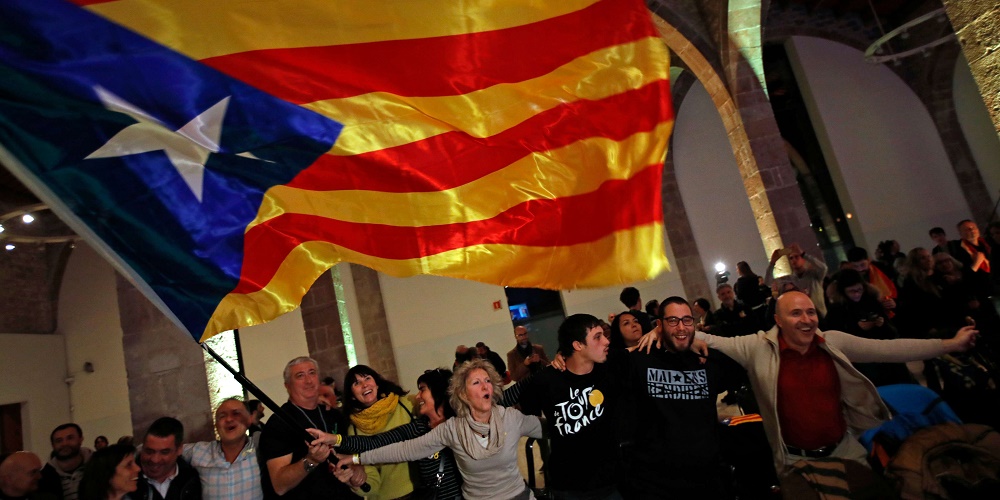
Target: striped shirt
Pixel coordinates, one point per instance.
(222, 480)
(441, 461)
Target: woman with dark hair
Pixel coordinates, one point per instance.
(625, 331)
(856, 308)
(921, 308)
(483, 436)
(110, 474)
(438, 473)
(374, 406)
(748, 287)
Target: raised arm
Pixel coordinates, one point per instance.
(819, 267)
(862, 350)
(737, 348)
(769, 272)
(512, 395)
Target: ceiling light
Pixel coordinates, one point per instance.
(10, 246)
(720, 267)
(27, 219)
(1, 228)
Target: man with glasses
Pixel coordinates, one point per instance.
(676, 449)
(807, 274)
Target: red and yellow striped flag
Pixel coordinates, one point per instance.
(515, 142)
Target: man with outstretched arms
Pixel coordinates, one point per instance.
(813, 401)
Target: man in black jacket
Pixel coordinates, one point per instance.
(165, 475)
(62, 474)
(494, 358)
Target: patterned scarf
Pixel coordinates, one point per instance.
(372, 420)
(467, 428)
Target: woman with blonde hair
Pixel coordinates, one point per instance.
(483, 436)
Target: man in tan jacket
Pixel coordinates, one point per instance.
(812, 400)
(525, 358)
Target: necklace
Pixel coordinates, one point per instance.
(321, 419)
(480, 434)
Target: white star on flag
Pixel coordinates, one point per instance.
(187, 148)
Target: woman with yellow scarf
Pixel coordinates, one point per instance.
(375, 405)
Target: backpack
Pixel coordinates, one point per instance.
(913, 407)
(948, 462)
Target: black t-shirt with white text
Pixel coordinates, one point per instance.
(676, 440)
(580, 419)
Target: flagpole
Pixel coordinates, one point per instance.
(256, 391)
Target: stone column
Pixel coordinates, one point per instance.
(687, 259)
(368, 291)
(759, 150)
(324, 334)
(165, 368)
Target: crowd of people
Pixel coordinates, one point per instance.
(628, 406)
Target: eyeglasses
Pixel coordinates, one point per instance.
(674, 320)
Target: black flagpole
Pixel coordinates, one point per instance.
(256, 391)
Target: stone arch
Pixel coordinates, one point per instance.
(939, 98)
(930, 78)
(678, 225)
(776, 182)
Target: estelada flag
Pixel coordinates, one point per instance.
(226, 153)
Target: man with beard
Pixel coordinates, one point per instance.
(525, 358)
(228, 467)
(165, 475)
(291, 468)
(676, 450)
(61, 476)
(812, 400)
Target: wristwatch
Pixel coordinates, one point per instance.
(308, 465)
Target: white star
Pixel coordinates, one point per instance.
(187, 148)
